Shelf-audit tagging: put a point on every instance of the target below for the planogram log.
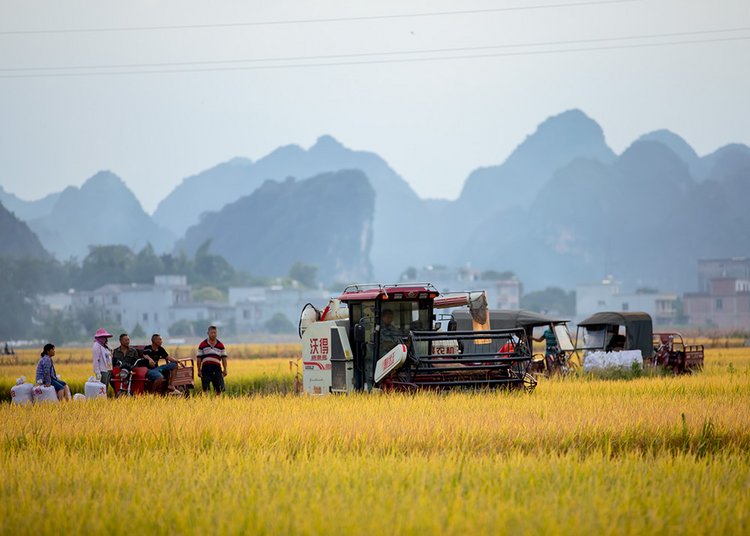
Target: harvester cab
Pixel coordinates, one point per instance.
(386, 337)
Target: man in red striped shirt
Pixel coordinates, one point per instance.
(212, 362)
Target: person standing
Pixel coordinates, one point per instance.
(550, 349)
(212, 362)
(102, 356)
(45, 371)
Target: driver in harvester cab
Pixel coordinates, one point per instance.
(390, 335)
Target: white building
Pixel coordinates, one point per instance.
(257, 305)
(156, 307)
(606, 296)
(59, 302)
(501, 293)
(214, 313)
(133, 304)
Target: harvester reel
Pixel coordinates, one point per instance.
(529, 382)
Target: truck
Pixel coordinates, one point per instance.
(376, 337)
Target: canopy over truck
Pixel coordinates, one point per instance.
(602, 333)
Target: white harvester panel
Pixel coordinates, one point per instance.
(390, 362)
(327, 359)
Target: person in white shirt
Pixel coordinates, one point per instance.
(102, 356)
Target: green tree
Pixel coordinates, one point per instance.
(60, 328)
(138, 332)
(91, 320)
(550, 299)
(493, 275)
(647, 290)
(279, 323)
(147, 264)
(304, 273)
(410, 274)
(209, 294)
(211, 269)
(107, 264)
(182, 328)
(15, 302)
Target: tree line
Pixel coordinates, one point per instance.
(23, 280)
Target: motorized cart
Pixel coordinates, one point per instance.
(672, 353)
(563, 360)
(615, 339)
(132, 380)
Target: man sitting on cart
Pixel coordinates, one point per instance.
(124, 354)
(153, 352)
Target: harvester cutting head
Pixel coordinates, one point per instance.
(465, 360)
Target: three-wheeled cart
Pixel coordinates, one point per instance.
(128, 381)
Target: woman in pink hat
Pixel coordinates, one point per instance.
(102, 356)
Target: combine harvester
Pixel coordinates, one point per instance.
(376, 337)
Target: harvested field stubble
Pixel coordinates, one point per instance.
(581, 456)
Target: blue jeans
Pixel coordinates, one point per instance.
(156, 373)
(59, 385)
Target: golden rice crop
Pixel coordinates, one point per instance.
(244, 376)
(578, 456)
(67, 355)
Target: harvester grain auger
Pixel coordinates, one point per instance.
(386, 337)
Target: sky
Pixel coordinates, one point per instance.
(156, 91)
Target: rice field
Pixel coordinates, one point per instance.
(253, 368)
(666, 455)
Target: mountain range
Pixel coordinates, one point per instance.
(562, 209)
(325, 221)
(103, 211)
(16, 239)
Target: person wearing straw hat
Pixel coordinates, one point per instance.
(102, 356)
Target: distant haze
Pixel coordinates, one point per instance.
(433, 122)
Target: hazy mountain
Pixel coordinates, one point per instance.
(103, 211)
(326, 220)
(227, 182)
(206, 192)
(28, 210)
(396, 204)
(727, 161)
(557, 141)
(642, 219)
(16, 239)
(698, 168)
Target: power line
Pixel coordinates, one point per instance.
(372, 62)
(313, 21)
(376, 54)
